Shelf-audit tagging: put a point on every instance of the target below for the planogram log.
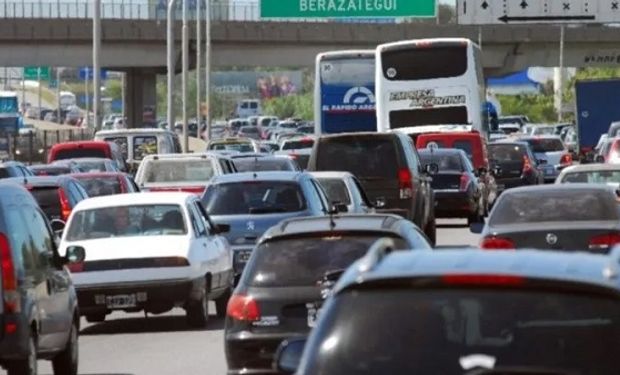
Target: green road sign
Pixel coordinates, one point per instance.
(347, 8)
(31, 72)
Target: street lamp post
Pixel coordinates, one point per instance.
(96, 63)
(184, 77)
(208, 66)
(171, 62)
(198, 60)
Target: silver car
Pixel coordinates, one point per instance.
(345, 192)
(552, 150)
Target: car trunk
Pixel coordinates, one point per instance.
(572, 236)
(447, 181)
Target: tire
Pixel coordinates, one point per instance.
(26, 366)
(222, 303)
(66, 362)
(198, 312)
(95, 318)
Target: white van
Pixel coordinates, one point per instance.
(249, 107)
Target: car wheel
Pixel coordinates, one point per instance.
(222, 303)
(95, 318)
(27, 366)
(198, 312)
(66, 362)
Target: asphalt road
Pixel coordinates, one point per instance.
(128, 344)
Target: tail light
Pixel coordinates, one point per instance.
(76, 267)
(604, 241)
(566, 159)
(12, 302)
(405, 184)
(482, 280)
(527, 165)
(464, 182)
(65, 206)
(497, 243)
(243, 308)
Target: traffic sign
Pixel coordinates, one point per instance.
(32, 72)
(488, 12)
(87, 73)
(347, 8)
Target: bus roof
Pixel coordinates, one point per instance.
(345, 54)
(8, 94)
(428, 41)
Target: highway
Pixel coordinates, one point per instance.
(128, 344)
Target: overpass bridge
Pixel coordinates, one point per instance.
(134, 41)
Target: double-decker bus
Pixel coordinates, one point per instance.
(426, 84)
(344, 92)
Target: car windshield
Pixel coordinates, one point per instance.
(75, 153)
(445, 161)
(91, 166)
(593, 177)
(366, 157)
(336, 190)
(261, 164)
(127, 221)
(240, 146)
(506, 152)
(450, 331)
(545, 144)
(166, 171)
(304, 261)
(254, 197)
(298, 144)
(554, 205)
(100, 186)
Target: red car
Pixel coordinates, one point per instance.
(87, 149)
(106, 183)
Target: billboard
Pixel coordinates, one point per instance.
(263, 85)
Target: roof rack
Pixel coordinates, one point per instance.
(377, 251)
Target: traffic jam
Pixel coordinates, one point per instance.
(317, 241)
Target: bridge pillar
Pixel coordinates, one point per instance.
(140, 97)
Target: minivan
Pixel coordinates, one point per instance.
(248, 107)
(87, 149)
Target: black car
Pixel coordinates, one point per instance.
(569, 217)
(455, 184)
(388, 166)
(516, 165)
(56, 195)
(39, 313)
(279, 293)
(457, 312)
(10, 169)
(263, 162)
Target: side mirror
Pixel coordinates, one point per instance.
(75, 254)
(221, 228)
(476, 228)
(340, 207)
(58, 226)
(288, 356)
(431, 169)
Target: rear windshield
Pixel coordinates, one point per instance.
(506, 153)
(53, 171)
(258, 165)
(100, 186)
(250, 130)
(298, 144)
(428, 62)
(545, 145)
(238, 146)
(254, 197)
(49, 201)
(365, 157)
(121, 142)
(304, 261)
(593, 177)
(144, 146)
(336, 190)
(74, 153)
(178, 170)
(555, 205)
(127, 221)
(451, 331)
(91, 166)
(445, 161)
(4, 173)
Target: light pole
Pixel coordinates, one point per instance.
(96, 63)
(198, 60)
(171, 62)
(561, 80)
(208, 66)
(58, 112)
(184, 76)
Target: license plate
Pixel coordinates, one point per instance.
(549, 172)
(313, 312)
(121, 301)
(244, 256)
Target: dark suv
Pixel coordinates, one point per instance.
(56, 195)
(388, 166)
(516, 165)
(467, 312)
(38, 310)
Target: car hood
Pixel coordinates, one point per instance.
(132, 247)
(247, 229)
(552, 158)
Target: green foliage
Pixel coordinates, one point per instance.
(539, 108)
(291, 106)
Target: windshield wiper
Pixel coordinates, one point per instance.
(521, 370)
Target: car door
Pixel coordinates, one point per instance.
(424, 199)
(203, 247)
(218, 247)
(55, 306)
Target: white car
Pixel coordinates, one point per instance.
(149, 252)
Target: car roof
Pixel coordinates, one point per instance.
(596, 269)
(39, 180)
(259, 158)
(61, 161)
(358, 134)
(97, 174)
(535, 137)
(135, 199)
(11, 163)
(450, 135)
(203, 155)
(134, 131)
(448, 151)
(259, 176)
(78, 144)
(332, 174)
(533, 189)
(591, 167)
